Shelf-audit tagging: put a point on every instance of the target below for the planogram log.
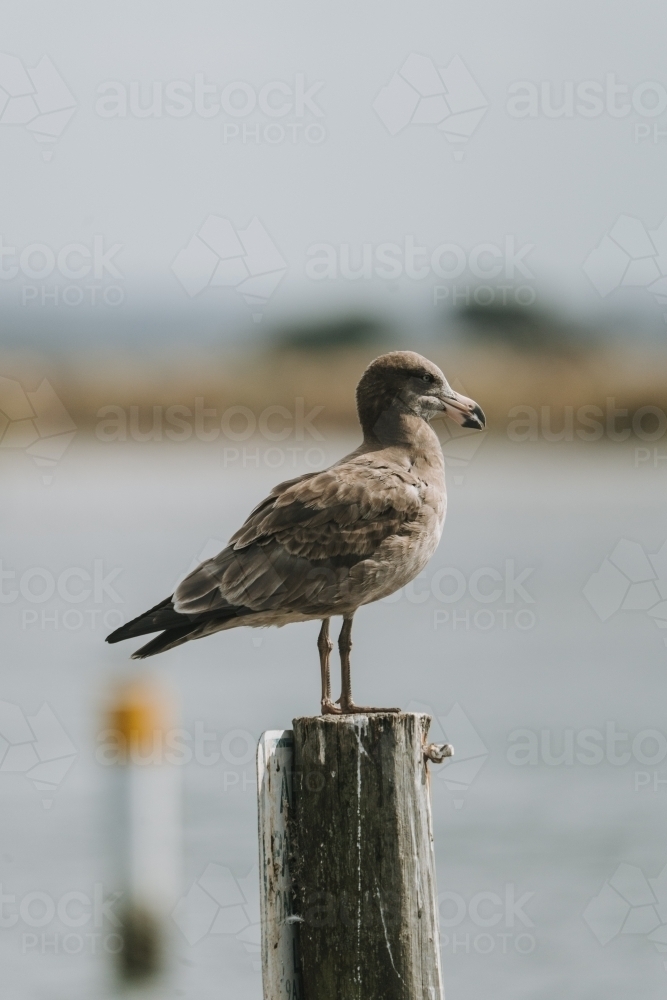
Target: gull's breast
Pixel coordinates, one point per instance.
(402, 557)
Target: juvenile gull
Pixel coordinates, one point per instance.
(328, 542)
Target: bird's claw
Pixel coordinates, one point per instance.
(349, 708)
(329, 708)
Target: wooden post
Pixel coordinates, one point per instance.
(281, 972)
(364, 868)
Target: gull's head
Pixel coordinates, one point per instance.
(415, 384)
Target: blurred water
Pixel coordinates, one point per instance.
(534, 657)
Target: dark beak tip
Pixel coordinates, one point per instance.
(476, 420)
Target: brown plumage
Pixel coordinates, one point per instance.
(328, 542)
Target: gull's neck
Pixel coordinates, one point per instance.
(400, 427)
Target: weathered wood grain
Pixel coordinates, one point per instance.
(281, 973)
(365, 872)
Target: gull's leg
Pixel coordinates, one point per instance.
(344, 646)
(325, 645)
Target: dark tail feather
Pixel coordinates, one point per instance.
(174, 627)
(162, 616)
(167, 640)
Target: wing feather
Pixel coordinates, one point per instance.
(308, 540)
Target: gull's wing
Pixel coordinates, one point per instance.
(307, 541)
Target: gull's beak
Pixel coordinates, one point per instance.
(463, 410)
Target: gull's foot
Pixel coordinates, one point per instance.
(328, 708)
(349, 708)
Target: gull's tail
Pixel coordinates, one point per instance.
(166, 640)
(162, 616)
(174, 626)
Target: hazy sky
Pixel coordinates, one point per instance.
(327, 168)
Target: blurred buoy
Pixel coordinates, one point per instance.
(146, 828)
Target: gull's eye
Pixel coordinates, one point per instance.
(427, 378)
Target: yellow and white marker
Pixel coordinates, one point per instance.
(146, 828)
